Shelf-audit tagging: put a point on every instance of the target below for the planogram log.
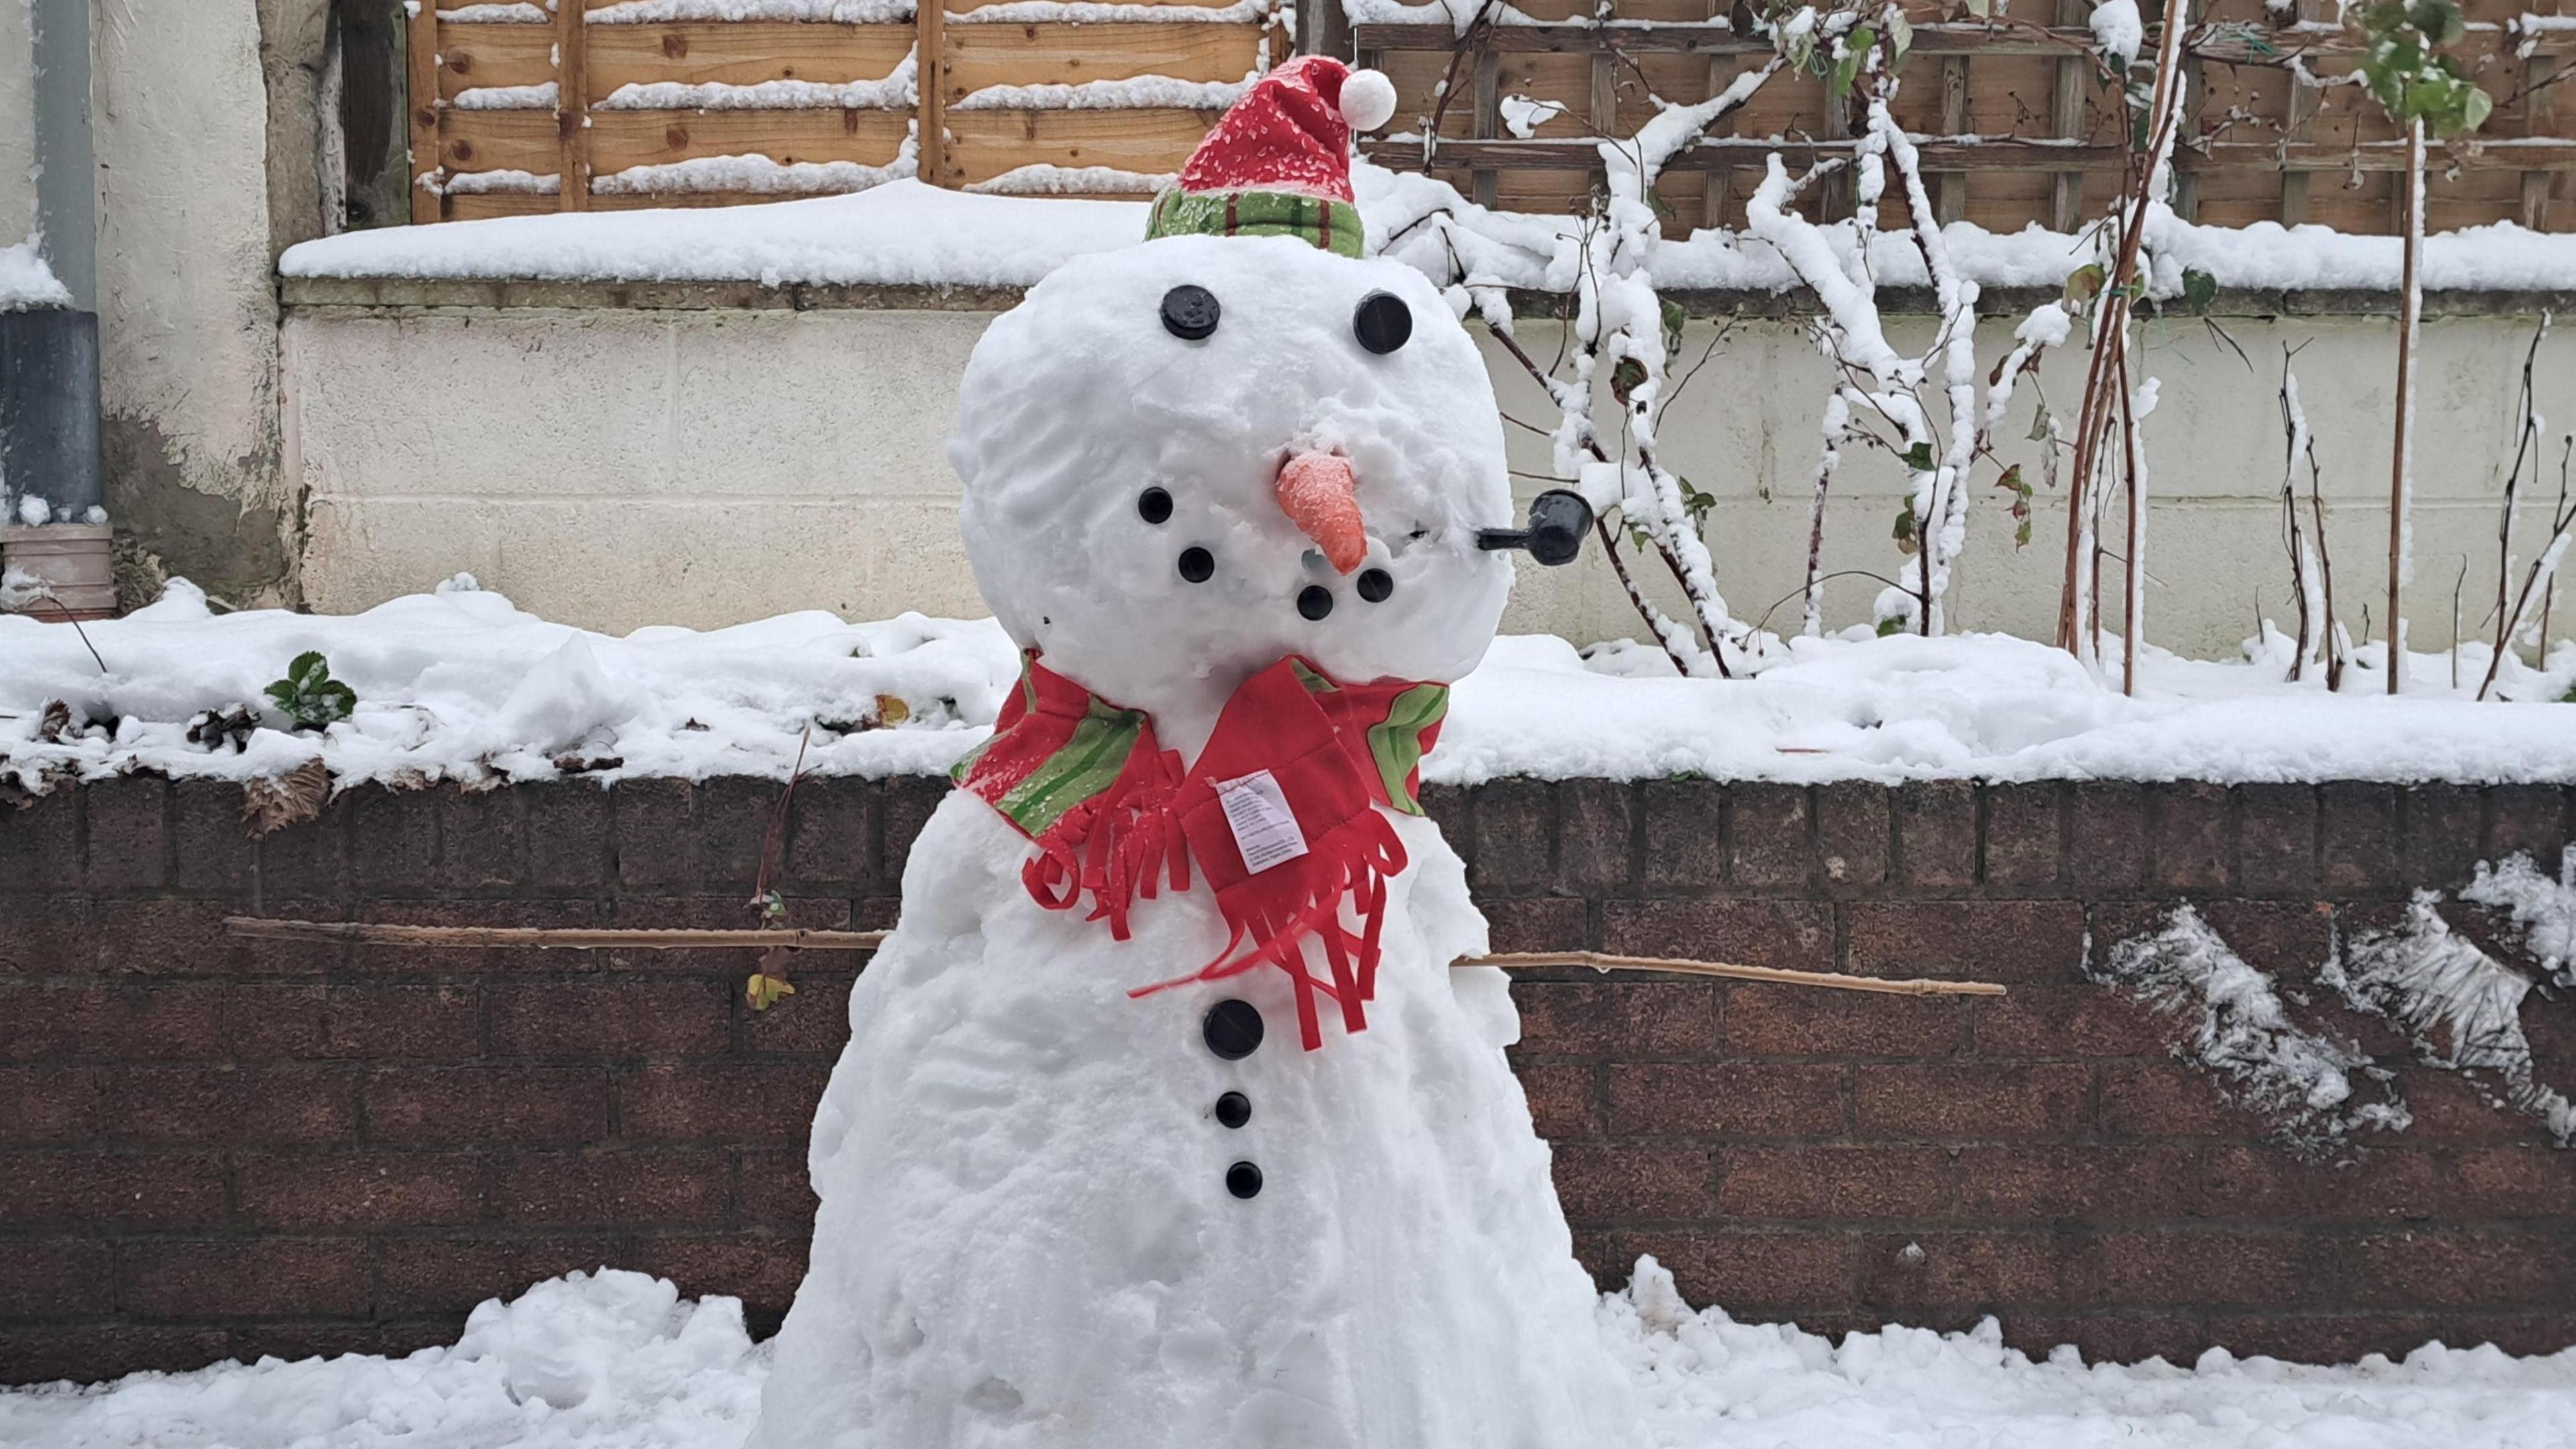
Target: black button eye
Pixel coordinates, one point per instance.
(1190, 312)
(1376, 585)
(1315, 601)
(1197, 565)
(1155, 506)
(1382, 324)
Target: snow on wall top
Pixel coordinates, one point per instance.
(902, 233)
(461, 684)
(906, 233)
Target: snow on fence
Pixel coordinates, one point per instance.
(2024, 125)
(713, 102)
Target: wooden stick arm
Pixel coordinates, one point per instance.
(576, 938)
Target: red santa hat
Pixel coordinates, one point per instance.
(1279, 162)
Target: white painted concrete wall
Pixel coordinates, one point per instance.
(619, 468)
(17, 124)
(187, 306)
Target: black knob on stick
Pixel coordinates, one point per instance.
(1558, 520)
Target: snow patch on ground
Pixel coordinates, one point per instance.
(439, 675)
(2461, 1007)
(618, 1360)
(2242, 1032)
(25, 280)
(606, 1359)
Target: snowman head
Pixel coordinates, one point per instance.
(1188, 459)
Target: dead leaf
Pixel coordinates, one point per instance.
(891, 710)
(56, 722)
(272, 804)
(576, 763)
(210, 728)
(769, 982)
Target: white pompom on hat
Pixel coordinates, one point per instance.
(1368, 100)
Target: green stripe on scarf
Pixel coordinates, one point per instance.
(1396, 744)
(1316, 220)
(1088, 764)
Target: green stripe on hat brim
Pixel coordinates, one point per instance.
(1316, 220)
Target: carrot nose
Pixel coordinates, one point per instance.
(1321, 496)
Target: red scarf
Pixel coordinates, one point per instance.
(1114, 815)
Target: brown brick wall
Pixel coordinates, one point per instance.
(212, 1147)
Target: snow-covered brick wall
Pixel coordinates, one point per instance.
(212, 1146)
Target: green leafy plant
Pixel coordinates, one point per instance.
(309, 695)
(2404, 71)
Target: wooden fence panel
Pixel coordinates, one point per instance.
(589, 106)
(490, 138)
(985, 144)
(1061, 53)
(2017, 125)
(742, 53)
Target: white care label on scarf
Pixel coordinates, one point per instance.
(1265, 829)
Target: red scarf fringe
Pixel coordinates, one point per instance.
(1277, 919)
(1137, 835)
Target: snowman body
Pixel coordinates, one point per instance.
(1057, 1214)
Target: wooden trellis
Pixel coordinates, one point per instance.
(518, 110)
(2023, 128)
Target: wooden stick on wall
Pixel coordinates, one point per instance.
(422, 42)
(572, 104)
(577, 938)
(930, 71)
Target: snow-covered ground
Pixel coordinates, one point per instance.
(461, 684)
(618, 1360)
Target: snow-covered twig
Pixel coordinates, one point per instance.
(2308, 579)
(2540, 580)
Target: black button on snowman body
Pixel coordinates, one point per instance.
(1233, 1030)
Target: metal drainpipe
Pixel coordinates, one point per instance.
(49, 397)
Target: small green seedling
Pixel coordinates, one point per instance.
(309, 695)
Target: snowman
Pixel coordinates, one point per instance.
(1164, 1119)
